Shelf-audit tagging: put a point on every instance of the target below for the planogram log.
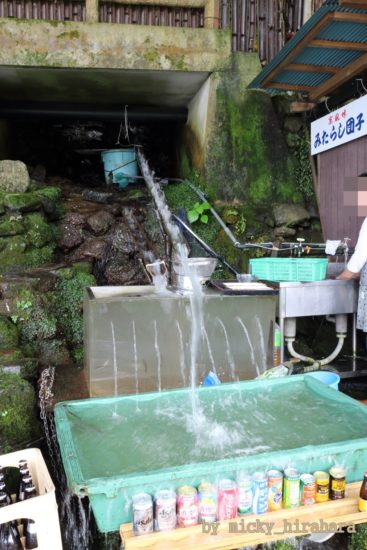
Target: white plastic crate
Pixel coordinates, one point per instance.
(42, 508)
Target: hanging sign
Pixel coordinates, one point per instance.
(345, 124)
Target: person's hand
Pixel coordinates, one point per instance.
(346, 275)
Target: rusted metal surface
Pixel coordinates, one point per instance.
(336, 167)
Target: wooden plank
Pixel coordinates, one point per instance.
(312, 68)
(342, 76)
(255, 529)
(294, 87)
(318, 43)
(354, 4)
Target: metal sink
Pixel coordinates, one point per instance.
(327, 297)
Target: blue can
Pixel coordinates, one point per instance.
(260, 493)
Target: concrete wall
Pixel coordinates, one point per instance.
(100, 45)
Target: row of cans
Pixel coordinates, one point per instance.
(257, 494)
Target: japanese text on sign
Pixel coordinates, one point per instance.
(338, 127)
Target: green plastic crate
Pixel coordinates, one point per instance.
(289, 269)
(115, 447)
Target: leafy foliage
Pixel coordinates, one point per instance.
(197, 212)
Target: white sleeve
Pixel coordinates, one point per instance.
(359, 257)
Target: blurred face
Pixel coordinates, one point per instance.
(355, 196)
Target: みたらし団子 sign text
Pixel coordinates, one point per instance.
(338, 127)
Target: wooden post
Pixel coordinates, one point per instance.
(211, 14)
(91, 11)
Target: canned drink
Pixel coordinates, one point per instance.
(142, 514)
(187, 506)
(165, 510)
(322, 486)
(260, 493)
(208, 502)
(337, 483)
(275, 490)
(227, 499)
(244, 495)
(308, 490)
(291, 488)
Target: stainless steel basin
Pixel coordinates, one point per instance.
(327, 297)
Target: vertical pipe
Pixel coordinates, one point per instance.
(252, 25)
(262, 33)
(234, 25)
(243, 40)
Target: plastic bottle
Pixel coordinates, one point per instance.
(277, 345)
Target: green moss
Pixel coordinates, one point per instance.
(18, 418)
(38, 230)
(78, 355)
(8, 334)
(70, 35)
(52, 201)
(11, 225)
(40, 325)
(152, 55)
(23, 367)
(359, 538)
(68, 305)
(21, 201)
(10, 356)
(39, 256)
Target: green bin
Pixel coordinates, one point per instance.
(114, 447)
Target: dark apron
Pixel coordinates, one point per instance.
(362, 300)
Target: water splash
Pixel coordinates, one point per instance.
(230, 360)
(158, 354)
(182, 354)
(115, 370)
(254, 362)
(261, 342)
(209, 350)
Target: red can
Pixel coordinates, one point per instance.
(187, 506)
(227, 499)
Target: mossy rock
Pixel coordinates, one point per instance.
(11, 225)
(38, 256)
(38, 230)
(8, 334)
(18, 412)
(22, 202)
(52, 352)
(40, 325)
(359, 538)
(8, 356)
(26, 368)
(52, 202)
(68, 305)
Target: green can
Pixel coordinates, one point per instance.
(291, 488)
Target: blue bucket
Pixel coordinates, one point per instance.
(331, 379)
(120, 166)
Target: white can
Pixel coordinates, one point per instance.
(165, 510)
(142, 514)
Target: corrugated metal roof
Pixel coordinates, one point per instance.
(332, 57)
(344, 32)
(300, 78)
(326, 24)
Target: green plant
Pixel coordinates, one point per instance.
(359, 538)
(24, 306)
(197, 212)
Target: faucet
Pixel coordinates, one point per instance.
(299, 247)
(345, 246)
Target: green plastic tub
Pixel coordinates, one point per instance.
(115, 447)
(289, 269)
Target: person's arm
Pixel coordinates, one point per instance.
(359, 258)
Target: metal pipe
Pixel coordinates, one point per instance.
(315, 363)
(205, 246)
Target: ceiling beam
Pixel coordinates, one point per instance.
(354, 4)
(291, 87)
(343, 16)
(297, 49)
(342, 76)
(312, 68)
(317, 43)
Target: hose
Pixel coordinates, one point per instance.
(321, 362)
